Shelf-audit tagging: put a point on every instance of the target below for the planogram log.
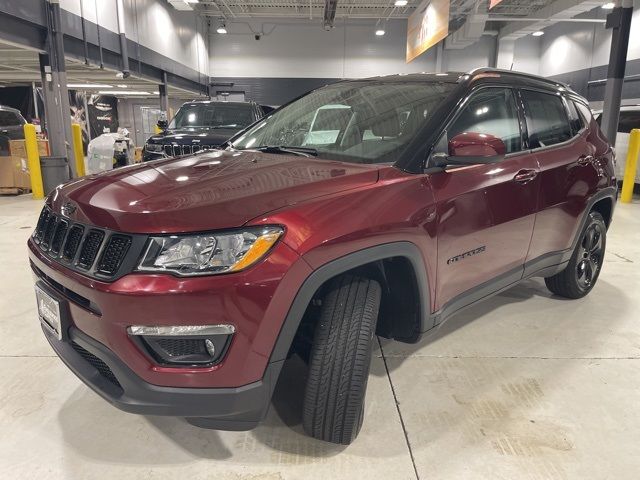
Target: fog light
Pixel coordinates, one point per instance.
(196, 345)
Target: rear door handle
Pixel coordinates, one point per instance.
(525, 176)
(585, 160)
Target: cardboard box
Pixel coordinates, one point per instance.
(17, 148)
(14, 173)
(137, 155)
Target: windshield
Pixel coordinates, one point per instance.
(213, 115)
(359, 122)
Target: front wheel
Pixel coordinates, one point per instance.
(340, 357)
(582, 272)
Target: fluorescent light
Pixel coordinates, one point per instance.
(401, 3)
(127, 92)
(380, 32)
(539, 33)
(88, 85)
(191, 1)
(156, 92)
(221, 29)
(609, 6)
(122, 85)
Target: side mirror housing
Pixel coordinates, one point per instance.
(163, 124)
(472, 148)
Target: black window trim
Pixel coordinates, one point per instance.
(566, 113)
(453, 116)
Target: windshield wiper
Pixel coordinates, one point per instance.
(302, 151)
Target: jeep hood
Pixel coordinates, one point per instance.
(214, 190)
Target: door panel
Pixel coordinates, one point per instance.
(485, 222)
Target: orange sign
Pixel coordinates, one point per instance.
(427, 26)
(493, 3)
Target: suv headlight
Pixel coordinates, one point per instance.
(209, 253)
(153, 147)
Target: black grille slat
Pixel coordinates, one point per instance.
(89, 249)
(176, 347)
(58, 237)
(96, 363)
(73, 242)
(114, 254)
(42, 222)
(49, 230)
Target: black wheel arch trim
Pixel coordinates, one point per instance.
(343, 264)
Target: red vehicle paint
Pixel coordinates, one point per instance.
(502, 211)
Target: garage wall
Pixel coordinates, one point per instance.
(178, 35)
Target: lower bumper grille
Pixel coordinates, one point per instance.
(98, 364)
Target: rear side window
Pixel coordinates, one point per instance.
(585, 113)
(575, 120)
(492, 111)
(8, 119)
(547, 120)
(628, 121)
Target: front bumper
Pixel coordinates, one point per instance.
(239, 408)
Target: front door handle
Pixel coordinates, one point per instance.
(585, 160)
(525, 175)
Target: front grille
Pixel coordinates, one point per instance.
(98, 364)
(92, 251)
(90, 248)
(113, 254)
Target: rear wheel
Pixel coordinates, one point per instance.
(340, 357)
(582, 272)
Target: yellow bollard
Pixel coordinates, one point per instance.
(78, 150)
(33, 159)
(630, 168)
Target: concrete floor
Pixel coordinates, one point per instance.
(534, 387)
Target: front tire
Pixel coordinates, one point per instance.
(333, 407)
(584, 267)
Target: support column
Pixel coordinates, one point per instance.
(54, 86)
(620, 21)
(439, 55)
(504, 55)
(164, 95)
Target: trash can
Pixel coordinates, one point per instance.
(55, 170)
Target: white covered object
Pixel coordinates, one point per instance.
(103, 151)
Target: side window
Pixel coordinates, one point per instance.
(547, 120)
(492, 111)
(585, 113)
(575, 120)
(629, 120)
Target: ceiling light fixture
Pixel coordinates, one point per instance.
(222, 28)
(401, 3)
(609, 6)
(88, 85)
(380, 32)
(539, 33)
(122, 85)
(127, 92)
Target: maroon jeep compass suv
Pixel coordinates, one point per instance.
(367, 207)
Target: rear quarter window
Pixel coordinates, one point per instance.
(629, 120)
(547, 121)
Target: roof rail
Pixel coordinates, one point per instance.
(480, 70)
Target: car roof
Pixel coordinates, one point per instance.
(10, 109)
(213, 102)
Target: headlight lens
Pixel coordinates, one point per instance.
(153, 147)
(209, 253)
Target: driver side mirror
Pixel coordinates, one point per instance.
(472, 148)
(163, 125)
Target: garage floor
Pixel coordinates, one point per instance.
(534, 387)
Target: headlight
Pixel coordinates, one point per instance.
(153, 147)
(209, 253)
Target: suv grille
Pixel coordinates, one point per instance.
(96, 363)
(92, 251)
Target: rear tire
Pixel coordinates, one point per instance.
(584, 267)
(333, 407)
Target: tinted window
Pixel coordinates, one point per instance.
(8, 119)
(213, 115)
(575, 120)
(547, 120)
(628, 121)
(585, 113)
(492, 111)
